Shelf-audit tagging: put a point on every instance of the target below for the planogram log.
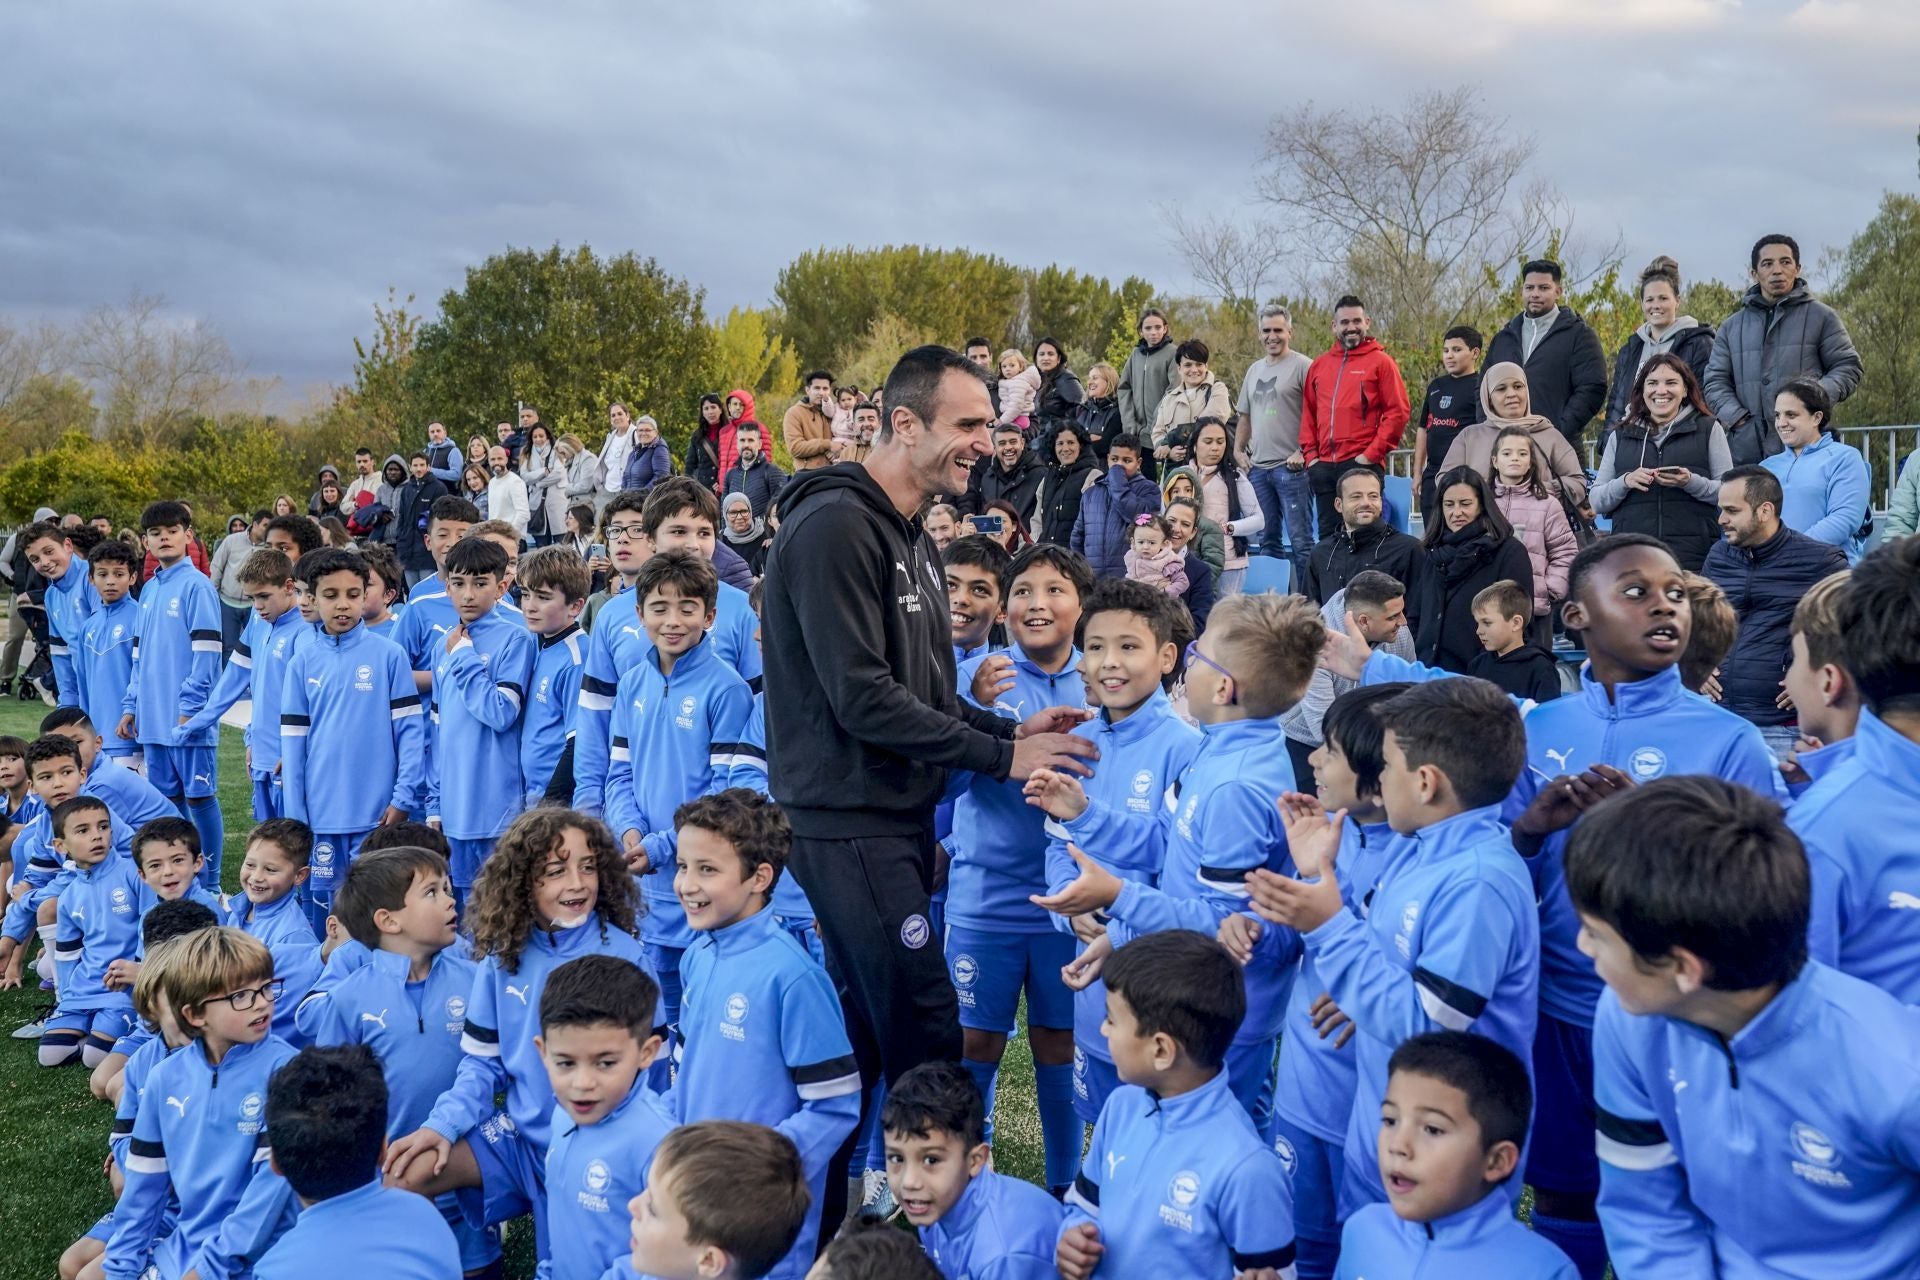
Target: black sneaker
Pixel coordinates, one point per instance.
(6, 687)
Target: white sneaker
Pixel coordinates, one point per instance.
(34, 1029)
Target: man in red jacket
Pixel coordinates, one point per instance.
(1353, 410)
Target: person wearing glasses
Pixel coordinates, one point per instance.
(1267, 441)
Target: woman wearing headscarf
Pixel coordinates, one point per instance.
(1506, 402)
(745, 532)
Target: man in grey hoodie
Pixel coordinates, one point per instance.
(1779, 333)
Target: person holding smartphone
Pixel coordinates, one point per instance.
(1660, 472)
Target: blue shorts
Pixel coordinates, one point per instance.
(513, 1178)
(467, 857)
(1560, 1151)
(105, 1026)
(989, 969)
(1094, 1080)
(1314, 1166)
(269, 797)
(193, 772)
(479, 1246)
(101, 1230)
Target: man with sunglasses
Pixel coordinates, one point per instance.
(1268, 441)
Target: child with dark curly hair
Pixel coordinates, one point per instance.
(554, 889)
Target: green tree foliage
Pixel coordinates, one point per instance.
(548, 328)
(380, 401)
(41, 411)
(1077, 310)
(1878, 292)
(830, 298)
(744, 351)
(82, 474)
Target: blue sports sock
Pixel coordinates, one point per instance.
(1060, 1126)
(984, 1075)
(1580, 1241)
(206, 819)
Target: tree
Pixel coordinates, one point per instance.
(380, 397)
(1077, 311)
(1878, 293)
(743, 351)
(82, 474)
(156, 375)
(551, 328)
(830, 298)
(1233, 263)
(41, 411)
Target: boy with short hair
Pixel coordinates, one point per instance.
(1111, 504)
(1450, 938)
(257, 671)
(103, 649)
(1857, 817)
(350, 727)
(279, 857)
(1825, 697)
(1127, 651)
(976, 569)
(1177, 1180)
(479, 693)
(679, 514)
(176, 658)
(1715, 628)
(430, 614)
(1452, 404)
(327, 1111)
(553, 589)
(627, 550)
(386, 590)
(293, 535)
(676, 715)
(757, 1010)
(724, 1201)
(1451, 1128)
(597, 1039)
(971, 1220)
(18, 803)
(68, 597)
(1501, 615)
(99, 922)
(1756, 1109)
(1253, 662)
(998, 942)
(206, 1144)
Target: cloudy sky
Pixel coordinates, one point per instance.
(275, 167)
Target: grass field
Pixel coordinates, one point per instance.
(54, 1133)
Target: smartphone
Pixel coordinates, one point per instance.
(990, 524)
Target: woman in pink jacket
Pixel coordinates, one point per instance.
(1523, 492)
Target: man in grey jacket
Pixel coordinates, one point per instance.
(1779, 333)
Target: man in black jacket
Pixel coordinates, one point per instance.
(863, 723)
(411, 506)
(1012, 476)
(1764, 567)
(1364, 541)
(1566, 366)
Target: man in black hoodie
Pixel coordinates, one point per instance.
(1363, 541)
(863, 723)
(1565, 364)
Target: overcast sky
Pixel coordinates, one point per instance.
(275, 167)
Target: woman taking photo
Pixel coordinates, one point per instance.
(1660, 471)
(1072, 467)
(1825, 482)
(1469, 548)
(546, 485)
(1665, 330)
(1227, 499)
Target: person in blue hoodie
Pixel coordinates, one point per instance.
(1253, 663)
(553, 590)
(1758, 1113)
(679, 514)
(1177, 1181)
(279, 856)
(1451, 1127)
(1128, 655)
(555, 889)
(675, 715)
(1857, 819)
(69, 599)
(480, 679)
(764, 1039)
(327, 1110)
(1451, 936)
(350, 727)
(1827, 485)
(99, 922)
(998, 941)
(1110, 506)
(598, 1037)
(1313, 1093)
(176, 658)
(972, 1220)
(103, 649)
(257, 670)
(407, 1001)
(201, 1129)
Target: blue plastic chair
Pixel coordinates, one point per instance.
(1398, 491)
(1267, 573)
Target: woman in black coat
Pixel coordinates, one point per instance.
(1470, 546)
(1099, 416)
(1071, 468)
(1060, 391)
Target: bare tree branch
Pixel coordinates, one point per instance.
(152, 372)
(1233, 263)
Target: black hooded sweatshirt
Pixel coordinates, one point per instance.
(862, 719)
